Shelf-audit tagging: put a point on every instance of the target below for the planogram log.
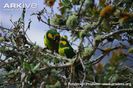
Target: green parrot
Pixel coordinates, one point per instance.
(51, 40)
(65, 48)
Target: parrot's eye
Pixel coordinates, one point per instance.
(57, 36)
(50, 36)
(63, 42)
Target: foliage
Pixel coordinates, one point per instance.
(93, 26)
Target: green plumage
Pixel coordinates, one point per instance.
(65, 48)
(51, 40)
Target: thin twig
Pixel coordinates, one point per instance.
(80, 8)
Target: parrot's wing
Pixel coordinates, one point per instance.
(69, 52)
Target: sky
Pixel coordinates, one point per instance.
(37, 30)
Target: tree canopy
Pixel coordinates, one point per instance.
(94, 25)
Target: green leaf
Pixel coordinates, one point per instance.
(66, 3)
(48, 21)
(72, 22)
(130, 50)
(89, 4)
(26, 66)
(98, 38)
(2, 39)
(106, 25)
(75, 2)
(35, 68)
(62, 10)
(102, 3)
(56, 85)
(87, 27)
(57, 20)
(114, 78)
(87, 51)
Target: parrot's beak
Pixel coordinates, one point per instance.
(56, 39)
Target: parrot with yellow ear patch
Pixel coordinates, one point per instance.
(51, 40)
(65, 48)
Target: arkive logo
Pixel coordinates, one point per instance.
(20, 5)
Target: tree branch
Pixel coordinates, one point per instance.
(117, 32)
